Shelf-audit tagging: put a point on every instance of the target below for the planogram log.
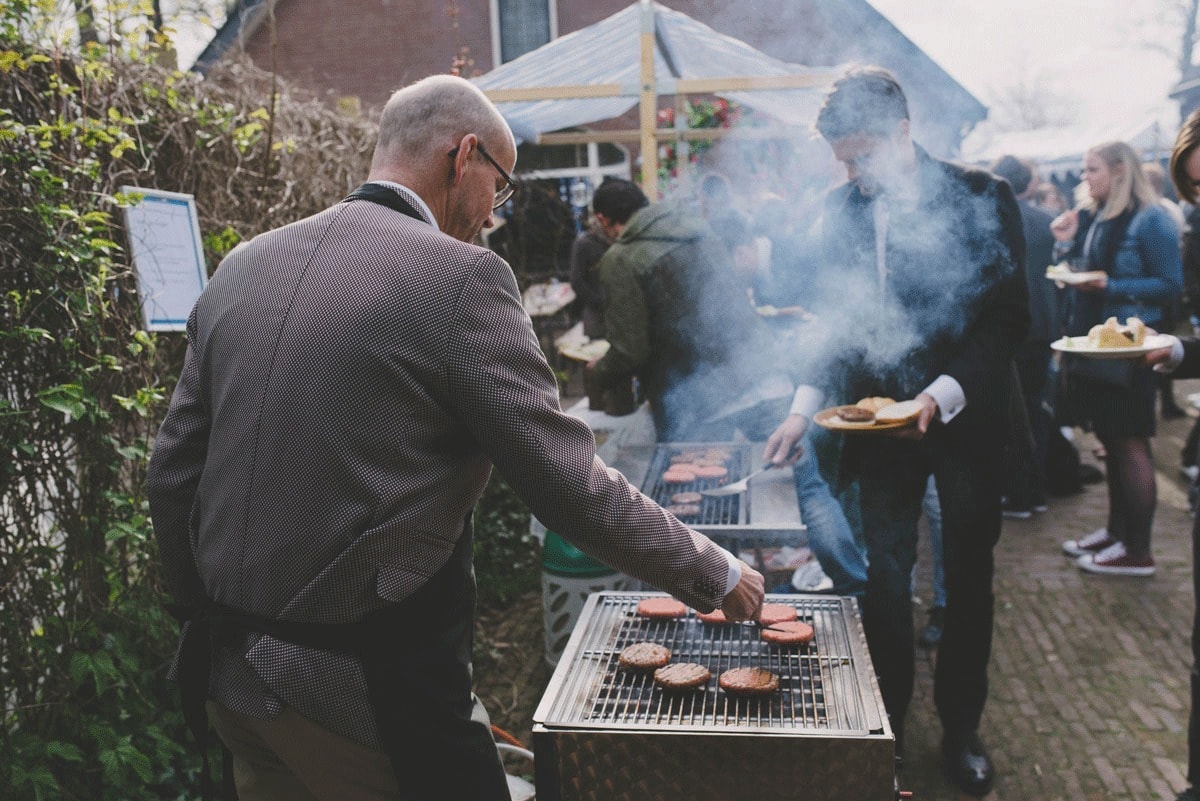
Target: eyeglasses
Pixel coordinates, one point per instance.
(510, 186)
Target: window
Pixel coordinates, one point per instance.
(519, 26)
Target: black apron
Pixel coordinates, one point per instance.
(416, 657)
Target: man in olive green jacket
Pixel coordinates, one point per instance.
(677, 319)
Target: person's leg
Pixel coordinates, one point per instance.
(1034, 370)
(1118, 519)
(1137, 490)
(1188, 456)
(829, 533)
(932, 506)
(290, 758)
(931, 634)
(892, 483)
(966, 477)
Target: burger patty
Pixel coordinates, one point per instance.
(856, 414)
(792, 632)
(687, 497)
(776, 613)
(715, 616)
(711, 471)
(661, 608)
(684, 509)
(673, 476)
(749, 681)
(682, 676)
(643, 657)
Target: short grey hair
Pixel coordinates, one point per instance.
(436, 112)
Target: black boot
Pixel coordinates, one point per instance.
(967, 764)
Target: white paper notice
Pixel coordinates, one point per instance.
(164, 240)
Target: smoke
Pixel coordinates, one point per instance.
(945, 252)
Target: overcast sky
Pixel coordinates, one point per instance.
(1104, 55)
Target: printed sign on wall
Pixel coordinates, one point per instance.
(164, 240)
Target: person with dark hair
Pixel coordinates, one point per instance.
(677, 320)
(349, 382)
(1182, 360)
(924, 296)
(613, 203)
(1025, 484)
(1125, 237)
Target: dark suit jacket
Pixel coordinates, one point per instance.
(1190, 366)
(1044, 323)
(350, 380)
(956, 301)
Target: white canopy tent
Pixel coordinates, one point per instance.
(647, 50)
(1059, 151)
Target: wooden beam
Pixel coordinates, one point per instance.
(681, 86)
(690, 134)
(576, 92)
(649, 107)
(685, 86)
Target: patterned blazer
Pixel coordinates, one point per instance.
(349, 382)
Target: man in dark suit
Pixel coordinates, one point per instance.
(349, 382)
(1025, 487)
(924, 297)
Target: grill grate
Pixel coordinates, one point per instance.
(821, 689)
(729, 510)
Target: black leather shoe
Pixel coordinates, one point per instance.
(968, 765)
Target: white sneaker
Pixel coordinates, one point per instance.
(1190, 471)
(1095, 542)
(1116, 561)
(809, 577)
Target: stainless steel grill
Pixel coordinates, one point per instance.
(754, 524)
(604, 733)
(727, 511)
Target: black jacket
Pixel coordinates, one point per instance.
(1044, 323)
(956, 301)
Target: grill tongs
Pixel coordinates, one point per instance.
(743, 484)
(758, 624)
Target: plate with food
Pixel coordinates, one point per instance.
(1112, 340)
(869, 415)
(584, 351)
(1065, 275)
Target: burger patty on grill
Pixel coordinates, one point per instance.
(644, 656)
(682, 676)
(749, 681)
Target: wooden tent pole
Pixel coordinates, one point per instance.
(649, 106)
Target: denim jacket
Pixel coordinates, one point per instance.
(1146, 276)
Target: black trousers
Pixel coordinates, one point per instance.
(1026, 486)
(893, 474)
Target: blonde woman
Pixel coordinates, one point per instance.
(1118, 229)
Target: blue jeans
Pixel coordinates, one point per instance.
(933, 519)
(829, 534)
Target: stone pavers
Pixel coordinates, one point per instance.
(1089, 680)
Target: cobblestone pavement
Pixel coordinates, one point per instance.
(1089, 678)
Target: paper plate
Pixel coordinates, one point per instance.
(828, 418)
(1079, 346)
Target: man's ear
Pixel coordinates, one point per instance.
(462, 155)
